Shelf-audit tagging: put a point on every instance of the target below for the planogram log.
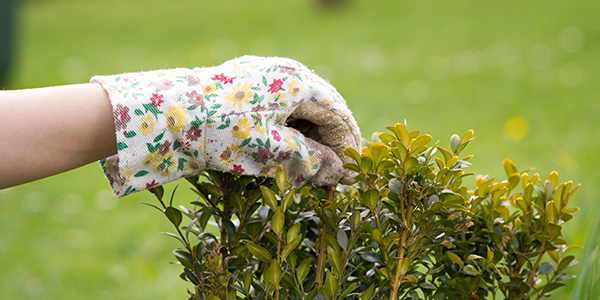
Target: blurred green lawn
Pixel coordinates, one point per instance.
(521, 74)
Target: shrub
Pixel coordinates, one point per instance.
(409, 229)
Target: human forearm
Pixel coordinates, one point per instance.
(51, 130)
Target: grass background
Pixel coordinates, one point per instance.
(520, 73)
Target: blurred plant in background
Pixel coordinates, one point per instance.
(7, 32)
(408, 230)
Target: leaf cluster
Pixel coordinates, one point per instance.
(409, 229)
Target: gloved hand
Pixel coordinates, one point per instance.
(246, 116)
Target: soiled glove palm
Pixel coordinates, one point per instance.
(246, 116)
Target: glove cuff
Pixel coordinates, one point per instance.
(158, 138)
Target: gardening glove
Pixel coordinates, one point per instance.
(246, 116)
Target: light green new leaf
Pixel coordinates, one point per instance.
(303, 269)
(290, 247)
(455, 258)
(269, 197)
(278, 221)
(274, 273)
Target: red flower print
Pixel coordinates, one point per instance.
(300, 178)
(237, 169)
(275, 86)
(164, 85)
(164, 148)
(151, 184)
(283, 155)
(224, 79)
(258, 108)
(156, 99)
(262, 155)
(121, 114)
(287, 70)
(193, 80)
(194, 133)
(195, 99)
(276, 135)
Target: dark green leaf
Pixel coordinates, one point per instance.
(175, 236)
(248, 282)
(229, 226)
(348, 290)
(152, 205)
(545, 268)
(289, 198)
(236, 201)
(552, 286)
(342, 239)
(565, 262)
(184, 258)
(259, 252)
(427, 285)
(371, 198)
(367, 294)
(174, 215)
(371, 256)
(158, 191)
(191, 276)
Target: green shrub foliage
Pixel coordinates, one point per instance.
(409, 229)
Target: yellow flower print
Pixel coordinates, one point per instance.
(230, 155)
(282, 101)
(241, 130)
(267, 170)
(159, 163)
(209, 88)
(176, 118)
(194, 166)
(239, 95)
(260, 129)
(290, 144)
(146, 125)
(152, 160)
(311, 164)
(127, 171)
(294, 88)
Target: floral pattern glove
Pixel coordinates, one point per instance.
(246, 116)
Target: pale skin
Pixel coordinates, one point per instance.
(50, 130)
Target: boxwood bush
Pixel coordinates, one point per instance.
(408, 229)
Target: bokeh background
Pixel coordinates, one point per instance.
(523, 74)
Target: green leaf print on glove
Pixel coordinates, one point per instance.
(246, 116)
